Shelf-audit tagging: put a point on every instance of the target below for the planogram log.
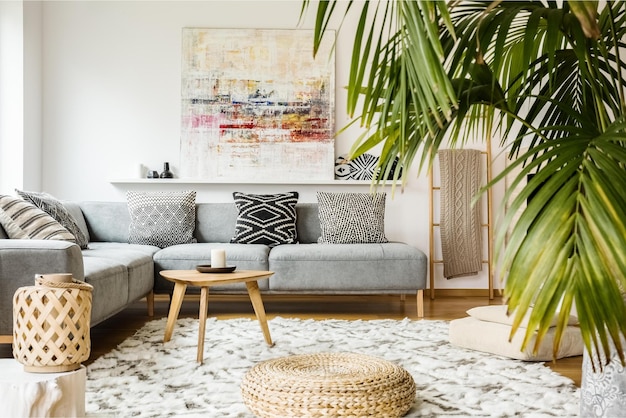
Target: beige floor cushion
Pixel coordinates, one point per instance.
(493, 337)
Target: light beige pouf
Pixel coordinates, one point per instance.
(328, 384)
(488, 329)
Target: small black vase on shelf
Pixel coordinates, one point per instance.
(166, 174)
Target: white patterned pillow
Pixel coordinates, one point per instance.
(351, 218)
(161, 219)
(55, 208)
(268, 219)
(23, 220)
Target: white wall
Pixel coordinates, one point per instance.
(11, 99)
(111, 101)
(20, 101)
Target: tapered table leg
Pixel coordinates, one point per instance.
(259, 309)
(204, 307)
(172, 316)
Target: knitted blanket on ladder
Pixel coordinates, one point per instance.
(460, 221)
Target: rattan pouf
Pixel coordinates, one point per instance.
(329, 385)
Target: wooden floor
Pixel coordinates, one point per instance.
(109, 334)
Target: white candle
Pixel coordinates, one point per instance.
(218, 258)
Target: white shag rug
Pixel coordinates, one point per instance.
(144, 377)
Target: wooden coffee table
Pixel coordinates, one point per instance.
(184, 278)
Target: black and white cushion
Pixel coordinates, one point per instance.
(363, 167)
(23, 220)
(351, 218)
(55, 208)
(161, 219)
(268, 219)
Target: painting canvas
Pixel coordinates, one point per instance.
(256, 105)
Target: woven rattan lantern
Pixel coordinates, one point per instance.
(51, 322)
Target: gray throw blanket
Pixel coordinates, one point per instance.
(460, 220)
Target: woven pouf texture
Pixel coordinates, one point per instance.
(51, 328)
(328, 385)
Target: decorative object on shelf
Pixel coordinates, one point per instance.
(52, 324)
(261, 107)
(166, 173)
(363, 167)
(153, 174)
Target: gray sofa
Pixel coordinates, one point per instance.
(122, 273)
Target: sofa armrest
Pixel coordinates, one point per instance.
(21, 260)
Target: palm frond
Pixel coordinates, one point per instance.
(551, 74)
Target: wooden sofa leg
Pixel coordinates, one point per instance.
(420, 303)
(150, 302)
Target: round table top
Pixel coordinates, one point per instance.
(195, 278)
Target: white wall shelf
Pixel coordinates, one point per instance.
(203, 181)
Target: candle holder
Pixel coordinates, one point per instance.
(52, 324)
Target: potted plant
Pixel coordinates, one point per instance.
(550, 76)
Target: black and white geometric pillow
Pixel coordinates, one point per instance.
(268, 219)
(351, 218)
(53, 207)
(363, 167)
(161, 219)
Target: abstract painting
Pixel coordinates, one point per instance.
(256, 105)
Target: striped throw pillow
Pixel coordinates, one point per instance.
(22, 220)
(55, 208)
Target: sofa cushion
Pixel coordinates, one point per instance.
(137, 259)
(23, 220)
(351, 218)
(106, 221)
(215, 222)
(161, 218)
(268, 219)
(53, 207)
(109, 279)
(343, 268)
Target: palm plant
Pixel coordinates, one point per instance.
(549, 75)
